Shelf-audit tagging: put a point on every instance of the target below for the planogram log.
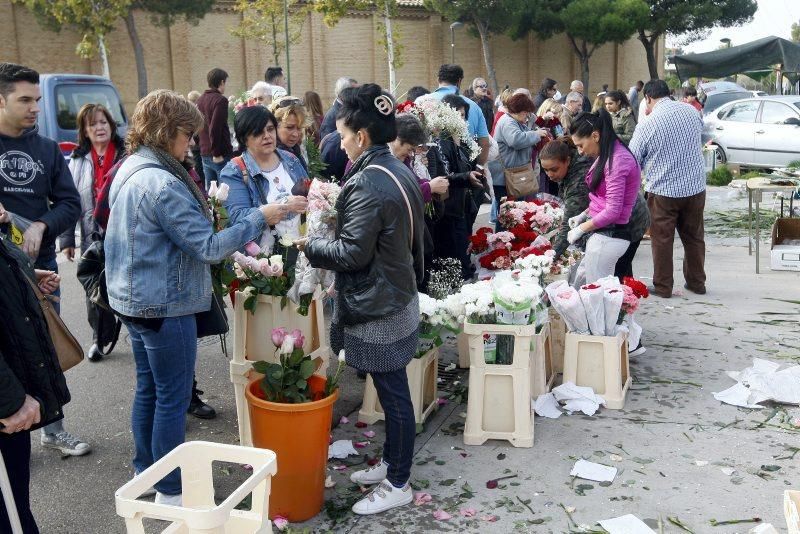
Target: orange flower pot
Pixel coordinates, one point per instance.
(299, 435)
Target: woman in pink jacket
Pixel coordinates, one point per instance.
(613, 181)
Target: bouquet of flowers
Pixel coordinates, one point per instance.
(439, 118)
(434, 317)
(500, 250)
(261, 273)
(445, 278)
(320, 222)
(222, 274)
(566, 261)
(538, 216)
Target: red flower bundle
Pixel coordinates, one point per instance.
(499, 258)
(478, 242)
(405, 107)
(639, 288)
(524, 234)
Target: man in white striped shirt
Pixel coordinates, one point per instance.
(668, 147)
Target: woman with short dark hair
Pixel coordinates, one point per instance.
(377, 257)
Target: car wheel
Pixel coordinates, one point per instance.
(722, 159)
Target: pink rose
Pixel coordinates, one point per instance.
(299, 339)
(264, 267)
(252, 249)
(278, 335)
(273, 270)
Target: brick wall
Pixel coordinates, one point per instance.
(179, 57)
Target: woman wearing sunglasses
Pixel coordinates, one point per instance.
(291, 116)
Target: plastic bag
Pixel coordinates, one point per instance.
(567, 303)
(19, 225)
(612, 303)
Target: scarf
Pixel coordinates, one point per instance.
(174, 166)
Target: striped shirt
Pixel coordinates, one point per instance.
(668, 148)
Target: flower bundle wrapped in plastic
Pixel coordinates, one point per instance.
(538, 216)
(435, 316)
(515, 297)
(320, 222)
(500, 250)
(567, 302)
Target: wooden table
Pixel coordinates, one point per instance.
(756, 187)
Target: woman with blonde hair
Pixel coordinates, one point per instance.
(502, 109)
(159, 244)
(291, 115)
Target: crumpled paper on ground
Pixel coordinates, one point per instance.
(341, 449)
(546, 405)
(592, 471)
(763, 381)
(578, 398)
(626, 524)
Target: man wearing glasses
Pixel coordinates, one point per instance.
(481, 90)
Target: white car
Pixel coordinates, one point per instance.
(756, 132)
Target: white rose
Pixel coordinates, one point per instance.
(341, 356)
(287, 240)
(288, 345)
(222, 192)
(276, 259)
(213, 189)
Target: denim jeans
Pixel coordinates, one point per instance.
(211, 170)
(52, 265)
(16, 449)
(164, 370)
(401, 427)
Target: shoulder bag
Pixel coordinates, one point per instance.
(521, 181)
(68, 350)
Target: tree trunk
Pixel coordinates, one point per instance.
(649, 44)
(276, 52)
(138, 52)
(387, 22)
(483, 31)
(583, 56)
(101, 44)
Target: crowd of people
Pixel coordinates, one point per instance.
(409, 195)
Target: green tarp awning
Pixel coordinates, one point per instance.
(753, 56)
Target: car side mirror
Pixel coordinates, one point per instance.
(794, 121)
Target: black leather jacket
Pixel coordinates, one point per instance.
(28, 361)
(447, 160)
(374, 256)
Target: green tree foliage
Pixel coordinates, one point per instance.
(678, 17)
(795, 32)
(262, 21)
(588, 24)
(485, 19)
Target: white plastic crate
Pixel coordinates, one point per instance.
(601, 363)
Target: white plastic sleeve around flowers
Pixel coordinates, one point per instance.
(612, 301)
(592, 300)
(634, 332)
(567, 303)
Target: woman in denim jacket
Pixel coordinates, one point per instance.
(159, 244)
(265, 174)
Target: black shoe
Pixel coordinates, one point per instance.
(200, 409)
(699, 291)
(94, 354)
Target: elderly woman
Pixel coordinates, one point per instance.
(99, 148)
(377, 257)
(291, 116)
(159, 245)
(261, 93)
(515, 141)
(264, 174)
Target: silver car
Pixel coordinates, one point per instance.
(756, 132)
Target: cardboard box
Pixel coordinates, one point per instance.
(785, 250)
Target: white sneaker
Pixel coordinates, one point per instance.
(638, 351)
(384, 497)
(371, 475)
(169, 500)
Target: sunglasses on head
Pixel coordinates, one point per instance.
(286, 102)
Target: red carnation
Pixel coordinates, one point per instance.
(405, 107)
(639, 288)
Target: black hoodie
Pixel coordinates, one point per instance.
(35, 183)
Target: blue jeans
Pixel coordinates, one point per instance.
(164, 370)
(51, 265)
(211, 170)
(401, 427)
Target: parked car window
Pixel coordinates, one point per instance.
(743, 112)
(776, 113)
(71, 97)
(714, 101)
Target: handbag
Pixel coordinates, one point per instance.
(68, 350)
(521, 181)
(213, 322)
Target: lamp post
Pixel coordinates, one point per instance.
(453, 27)
(286, 40)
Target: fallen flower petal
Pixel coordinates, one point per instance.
(360, 444)
(422, 498)
(361, 424)
(247, 467)
(373, 461)
(491, 484)
(490, 518)
(329, 483)
(344, 420)
(468, 512)
(339, 467)
(369, 434)
(441, 515)
(441, 401)
(280, 522)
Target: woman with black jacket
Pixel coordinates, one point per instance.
(377, 256)
(451, 233)
(32, 387)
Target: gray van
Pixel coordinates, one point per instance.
(63, 95)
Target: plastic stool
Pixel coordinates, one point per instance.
(542, 374)
(601, 363)
(252, 342)
(423, 374)
(499, 404)
(791, 508)
(199, 513)
(558, 330)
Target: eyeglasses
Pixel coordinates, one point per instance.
(483, 86)
(286, 102)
